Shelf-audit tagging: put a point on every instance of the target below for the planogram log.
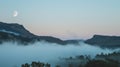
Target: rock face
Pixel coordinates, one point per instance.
(104, 41)
(17, 32)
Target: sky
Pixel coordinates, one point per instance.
(65, 19)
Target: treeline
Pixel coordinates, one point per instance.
(36, 64)
(100, 60)
(91, 63)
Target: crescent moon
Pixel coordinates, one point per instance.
(15, 14)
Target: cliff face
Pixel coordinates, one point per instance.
(104, 41)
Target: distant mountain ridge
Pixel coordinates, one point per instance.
(17, 32)
(16, 28)
(104, 41)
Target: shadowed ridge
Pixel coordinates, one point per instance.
(16, 28)
(15, 31)
(104, 41)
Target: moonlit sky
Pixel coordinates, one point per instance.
(65, 19)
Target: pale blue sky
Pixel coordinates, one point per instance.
(66, 19)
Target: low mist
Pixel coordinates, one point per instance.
(13, 55)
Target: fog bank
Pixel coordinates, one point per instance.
(12, 54)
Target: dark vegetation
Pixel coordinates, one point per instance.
(91, 63)
(115, 56)
(101, 60)
(105, 60)
(101, 63)
(36, 64)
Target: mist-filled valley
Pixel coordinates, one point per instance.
(60, 33)
(14, 54)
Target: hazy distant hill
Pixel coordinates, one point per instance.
(17, 32)
(104, 41)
